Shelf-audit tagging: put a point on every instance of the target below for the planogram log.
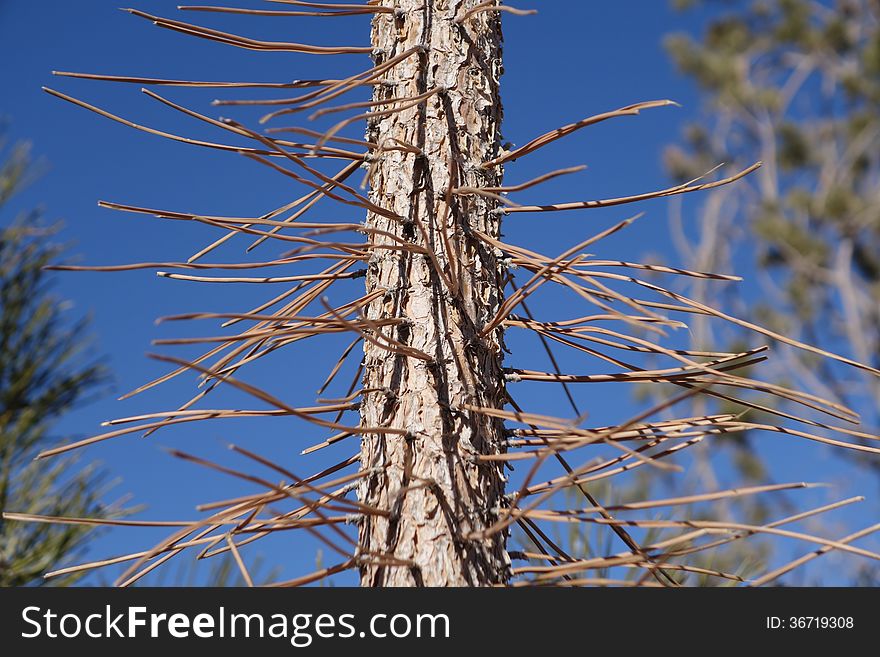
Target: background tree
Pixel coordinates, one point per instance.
(433, 396)
(797, 84)
(44, 372)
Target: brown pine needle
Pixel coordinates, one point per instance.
(268, 279)
(372, 5)
(239, 561)
(605, 203)
(360, 11)
(160, 133)
(318, 97)
(489, 5)
(295, 84)
(765, 332)
(782, 570)
(522, 186)
(713, 526)
(559, 133)
(244, 42)
(277, 403)
(96, 522)
(318, 575)
(406, 104)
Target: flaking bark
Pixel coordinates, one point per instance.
(436, 491)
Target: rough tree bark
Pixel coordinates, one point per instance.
(436, 490)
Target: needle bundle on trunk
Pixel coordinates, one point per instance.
(434, 405)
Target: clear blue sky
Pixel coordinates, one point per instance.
(572, 60)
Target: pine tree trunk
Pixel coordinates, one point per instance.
(436, 490)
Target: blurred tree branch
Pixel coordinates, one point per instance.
(44, 372)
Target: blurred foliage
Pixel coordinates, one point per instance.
(795, 84)
(44, 372)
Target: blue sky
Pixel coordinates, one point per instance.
(572, 60)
